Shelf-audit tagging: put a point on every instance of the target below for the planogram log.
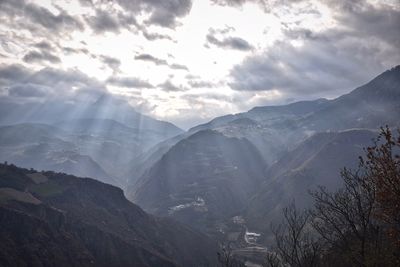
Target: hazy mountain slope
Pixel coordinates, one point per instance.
(112, 144)
(201, 179)
(372, 105)
(78, 147)
(45, 147)
(265, 113)
(146, 160)
(108, 130)
(54, 219)
(106, 107)
(277, 129)
(315, 162)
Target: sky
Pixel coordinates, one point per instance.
(188, 61)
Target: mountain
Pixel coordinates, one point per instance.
(299, 146)
(99, 139)
(53, 219)
(46, 147)
(100, 148)
(277, 129)
(201, 179)
(315, 162)
(105, 107)
(372, 105)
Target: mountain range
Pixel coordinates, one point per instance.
(98, 139)
(220, 180)
(300, 146)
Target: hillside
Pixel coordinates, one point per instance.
(53, 219)
(201, 179)
(315, 162)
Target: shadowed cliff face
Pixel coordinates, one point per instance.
(57, 219)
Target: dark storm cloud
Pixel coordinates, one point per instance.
(150, 58)
(43, 56)
(229, 42)
(129, 82)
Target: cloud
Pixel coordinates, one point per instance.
(151, 36)
(364, 19)
(21, 82)
(43, 45)
(169, 86)
(163, 13)
(111, 62)
(362, 43)
(150, 58)
(103, 21)
(322, 66)
(160, 62)
(129, 82)
(70, 50)
(35, 56)
(27, 90)
(229, 42)
(13, 73)
(201, 84)
(178, 67)
(31, 15)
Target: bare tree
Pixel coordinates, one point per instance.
(382, 163)
(226, 256)
(295, 244)
(353, 219)
(357, 225)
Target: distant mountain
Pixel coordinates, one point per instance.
(46, 147)
(277, 129)
(315, 162)
(201, 179)
(106, 107)
(107, 132)
(100, 148)
(52, 219)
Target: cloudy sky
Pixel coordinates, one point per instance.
(187, 61)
